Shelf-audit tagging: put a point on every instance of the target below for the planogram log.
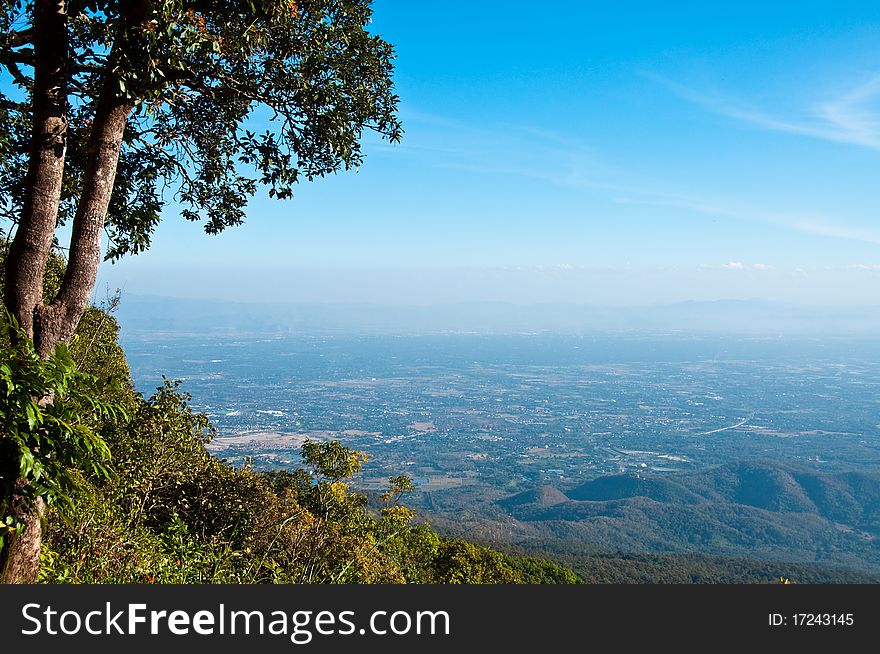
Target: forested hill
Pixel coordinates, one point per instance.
(762, 509)
(693, 568)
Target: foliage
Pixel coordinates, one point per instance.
(200, 77)
(460, 562)
(94, 348)
(48, 409)
(693, 568)
(540, 571)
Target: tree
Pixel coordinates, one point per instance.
(115, 107)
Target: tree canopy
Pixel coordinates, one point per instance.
(225, 96)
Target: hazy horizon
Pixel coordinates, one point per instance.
(99, 297)
(165, 315)
(561, 283)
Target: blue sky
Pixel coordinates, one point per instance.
(629, 152)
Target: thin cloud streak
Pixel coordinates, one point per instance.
(821, 226)
(839, 231)
(847, 118)
(567, 163)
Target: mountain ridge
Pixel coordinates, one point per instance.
(767, 509)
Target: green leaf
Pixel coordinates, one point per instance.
(32, 415)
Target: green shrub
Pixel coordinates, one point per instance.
(49, 411)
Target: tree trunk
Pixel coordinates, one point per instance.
(51, 324)
(56, 322)
(29, 250)
(20, 556)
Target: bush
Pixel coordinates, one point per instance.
(49, 411)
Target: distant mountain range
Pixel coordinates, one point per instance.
(757, 509)
(139, 313)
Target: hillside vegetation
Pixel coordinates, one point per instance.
(770, 510)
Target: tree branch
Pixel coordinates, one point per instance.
(12, 66)
(18, 39)
(76, 68)
(19, 56)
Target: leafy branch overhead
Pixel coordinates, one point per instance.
(226, 96)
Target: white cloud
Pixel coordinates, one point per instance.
(847, 118)
(818, 226)
(739, 265)
(839, 231)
